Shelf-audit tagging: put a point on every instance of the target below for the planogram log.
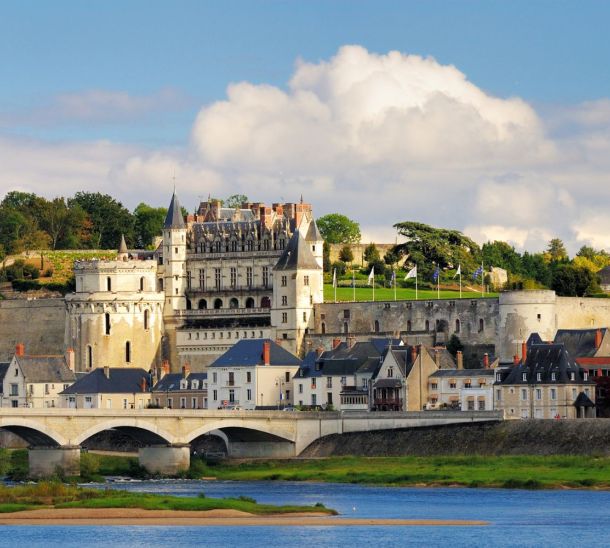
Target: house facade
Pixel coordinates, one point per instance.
(461, 389)
(184, 390)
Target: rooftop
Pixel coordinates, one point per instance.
(120, 380)
(250, 353)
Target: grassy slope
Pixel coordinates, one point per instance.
(386, 294)
(504, 471)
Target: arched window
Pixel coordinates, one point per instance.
(189, 305)
(146, 313)
(233, 303)
(249, 302)
(345, 327)
(160, 284)
(203, 304)
(481, 325)
(107, 323)
(376, 326)
(408, 325)
(457, 326)
(89, 356)
(265, 302)
(427, 325)
(323, 328)
(142, 283)
(108, 284)
(218, 304)
(128, 352)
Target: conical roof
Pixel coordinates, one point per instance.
(122, 245)
(313, 234)
(174, 217)
(297, 255)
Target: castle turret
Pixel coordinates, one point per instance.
(123, 254)
(174, 257)
(316, 242)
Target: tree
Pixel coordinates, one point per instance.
(346, 254)
(338, 229)
(502, 255)
(148, 223)
(572, 281)
(557, 251)
(454, 345)
(235, 200)
(326, 257)
(371, 253)
(391, 258)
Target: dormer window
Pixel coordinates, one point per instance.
(390, 372)
(498, 377)
(538, 377)
(195, 385)
(586, 376)
(572, 376)
(553, 377)
(524, 377)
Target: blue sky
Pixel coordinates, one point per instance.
(120, 82)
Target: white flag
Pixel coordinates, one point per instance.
(412, 273)
(371, 276)
(335, 277)
(458, 271)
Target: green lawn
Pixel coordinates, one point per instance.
(402, 294)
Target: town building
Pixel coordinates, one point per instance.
(185, 390)
(252, 374)
(109, 388)
(546, 383)
(35, 381)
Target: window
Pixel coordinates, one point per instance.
(329, 398)
(343, 381)
(287, 376)
(346, 314)
(249, 394)
(467, 383)
(408, 325)
(284, 281)
(217, 278)
(232, 395)
(452, 384)
(323, 328)
(524, 377)
(329, 382)
(201, 278)
(499, 394)
(313, 382)
(128, 352)
(390, 371)
(585, 376)
(89, 356)
(146, 314)
(248, 376)
(305, 280)
(304, 317)
(553, 393)
(108, 284)
(524, 394)
(249, 276)
(170, 403)
(457, 326)
(193, 403)
(314, 399)
(14, 403)
(124, 403)
(214, 395)
(265, 276)
(481, 405)
(498, 377)
(284, 317)
(142, 283)
(481, 325)
(182, 403)
(46, 389)
(427, 325)
(300, 388)
(284, 300)
(345, 327)
(553, 377)
(214, 377)
(538, 377)
(233, 274)
(376, 326)
(538, 393)
(107, 323)
(572, 375)
(470, 405)
(14, 389)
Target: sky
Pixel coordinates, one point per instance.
(489, 117)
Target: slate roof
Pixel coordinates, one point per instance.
(45, 369)
(463, 373)
(583, 401)
(174, 218)
(171, 382)
(313, 234)
(123, 380)
(250, 352)
(3, 369)
(580, 343)
(446, 360)
(546, 359)
(122, 245)
(296, 255)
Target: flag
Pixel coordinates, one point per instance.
(478, 272)
(436, 274)
(412, 273)
(458, 271)
(371, 276)
(335, 277)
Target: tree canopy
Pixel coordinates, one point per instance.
(338, 229)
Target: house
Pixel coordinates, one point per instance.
(252, 374)
(604, 278)
(184, 390)
(340, 378)
(109, 388)
(546, 384)
(36, 380)
(401, 383)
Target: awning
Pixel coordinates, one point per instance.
(470, 398)
(454, 398)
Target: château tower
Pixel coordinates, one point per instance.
(174, 258)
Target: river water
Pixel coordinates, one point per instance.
(517, 518)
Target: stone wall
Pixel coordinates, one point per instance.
(37, 323)
(358, 251)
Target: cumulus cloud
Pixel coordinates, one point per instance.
(381, 138)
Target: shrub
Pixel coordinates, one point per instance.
(340, 267)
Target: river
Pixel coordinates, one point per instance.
(517, 518)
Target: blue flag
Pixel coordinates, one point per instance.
(436, 274)
(478, 272)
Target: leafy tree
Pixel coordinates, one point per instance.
(235, 200)
(340, 267)
(338, 229)
(426, 245)
(502, 255)
(13, 226)
(148, 223)
(326, 257)
(346, 254)
(557, 251)
(391, 257)
(535, 266)
(371, 253)
(109, 219)
(572, 281)
(454, 345)
(60, 222)
(378, 265)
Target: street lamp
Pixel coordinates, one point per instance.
(279, 382)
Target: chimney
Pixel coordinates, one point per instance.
(143, 384)
(70, 359)
(336, 342)
(106, 371)
(598, 338)
(350, 340)
(516, 359)
(486, 361)
(266, 352)
(523, 351)
(185, 370)
(413, 354)
(20, 349)
(460, 359)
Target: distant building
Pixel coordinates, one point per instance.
(184, 390)
(604, 278)
(252, 374)
(461, 389)
(35, 381)
(109, 388)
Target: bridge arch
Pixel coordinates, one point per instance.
(231, 427)
(147, 432)
(33, 432)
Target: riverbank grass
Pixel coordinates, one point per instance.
(60, 495)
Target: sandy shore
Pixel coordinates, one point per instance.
(221, 518)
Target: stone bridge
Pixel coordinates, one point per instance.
(55, 435)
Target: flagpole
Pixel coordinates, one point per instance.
(438, 285)
(394, 276)
(373, 287)
(354, 283)
(460, 284)
(482, 280)
(416, 283)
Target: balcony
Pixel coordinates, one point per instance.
(194, 313)
(387, 404)
(238, 289)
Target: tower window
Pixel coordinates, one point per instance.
(305, 280)
(284, 317)
(128, 352)
(284, 281)
(107, 323)
(89, 356)
(249, 276)
(142, 283)
(108, 284)
(146, 319)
